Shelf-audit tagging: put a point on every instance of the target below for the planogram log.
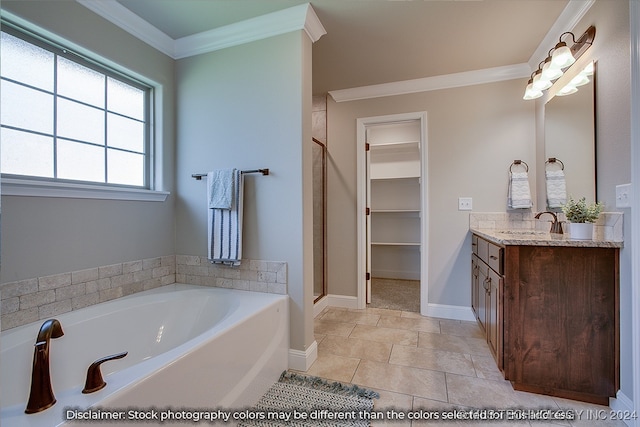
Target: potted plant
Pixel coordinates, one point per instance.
(581, 217)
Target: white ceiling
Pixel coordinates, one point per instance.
(371, 42)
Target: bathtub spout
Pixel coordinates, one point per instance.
(41, 395)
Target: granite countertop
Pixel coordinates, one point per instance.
(522, 237)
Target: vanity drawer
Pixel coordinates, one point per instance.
(495, 258)
(474, 244)
(483, 250)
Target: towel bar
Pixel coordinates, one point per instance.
(199, 176)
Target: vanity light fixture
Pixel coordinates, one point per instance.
(562, 57)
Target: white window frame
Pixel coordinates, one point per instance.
(24, 185)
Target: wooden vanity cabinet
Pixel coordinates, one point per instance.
(551, 316)
(561, 333)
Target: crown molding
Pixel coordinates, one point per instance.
(426, 84)
(300, 17)
(258, 28)
(119, 15)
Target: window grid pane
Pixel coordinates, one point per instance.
(63, 131)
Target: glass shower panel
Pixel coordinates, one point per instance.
(319, 219)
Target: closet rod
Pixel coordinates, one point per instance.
(199, 176)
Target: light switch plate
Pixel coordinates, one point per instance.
(465, 203)
(623, 196)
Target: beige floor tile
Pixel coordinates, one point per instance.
(413, 324)
(379, 311)
(486, 367)
(454, 343)
(401, 379)
(351, 317)
(324, 327)
(333, 367)
(436, 360)
(356, 348)
(481, 393)
(385, 335)
(387, 402)
(461, 328)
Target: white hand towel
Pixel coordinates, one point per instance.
(519, 194)
(224, 228)
(220, 188)
(556, 188)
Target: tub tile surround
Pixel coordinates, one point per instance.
(250, 275)
(40, 298)
(607, 227)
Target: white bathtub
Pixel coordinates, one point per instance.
(190, 347)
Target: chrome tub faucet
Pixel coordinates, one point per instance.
(41, 395)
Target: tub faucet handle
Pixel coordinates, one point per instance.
(94, 380)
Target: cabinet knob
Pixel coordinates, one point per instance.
(493, 257)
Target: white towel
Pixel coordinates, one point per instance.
(220, 186)
(519, 194)
(556, 188)
(225, 228)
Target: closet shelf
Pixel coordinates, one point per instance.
(395, 244)
(395, 210)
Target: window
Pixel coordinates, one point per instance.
(67, 118)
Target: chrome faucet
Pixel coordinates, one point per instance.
(41, 395)
(556, 226)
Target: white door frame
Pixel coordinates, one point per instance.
(634, 17)
(361, 166)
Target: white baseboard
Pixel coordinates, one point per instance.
(342, 301)
(302, 360)
(621, 403)
(454, 312)
(319, 306)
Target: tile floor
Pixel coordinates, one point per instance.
(419, 363)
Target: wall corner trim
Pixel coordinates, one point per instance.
(300, 17)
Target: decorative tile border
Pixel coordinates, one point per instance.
(250, 275)
(609, 225)
(30, 300)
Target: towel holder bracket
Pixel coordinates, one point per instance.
(519, 162)
(264, 171)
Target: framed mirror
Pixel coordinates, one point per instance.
(570, 143)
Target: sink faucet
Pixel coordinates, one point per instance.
(556, 227)
(41, 395)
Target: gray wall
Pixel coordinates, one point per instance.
(249, 107)
(44, 236)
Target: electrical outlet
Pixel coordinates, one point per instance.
(623, 196)
(465, 203)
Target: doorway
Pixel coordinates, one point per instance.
(392, 228)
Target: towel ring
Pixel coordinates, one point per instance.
(554, 160)
(518, 162)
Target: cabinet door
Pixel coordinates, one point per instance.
(494, 312)
(483, 279)
(475, 285)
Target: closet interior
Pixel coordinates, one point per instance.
(394, 201)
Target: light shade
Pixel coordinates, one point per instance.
(562, 56)
(549, 72)
(531, 93)
(567, 90)
(539, 83)
(579, 80)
